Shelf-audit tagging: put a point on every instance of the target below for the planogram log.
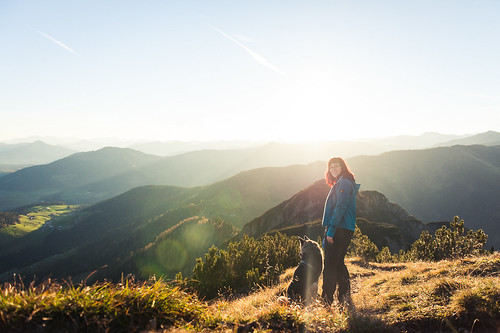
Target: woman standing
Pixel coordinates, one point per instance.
(339, 220)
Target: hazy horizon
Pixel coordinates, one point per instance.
(252, 71)
(125, 141)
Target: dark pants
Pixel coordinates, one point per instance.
(335, 271)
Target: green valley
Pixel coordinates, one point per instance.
(35, 217)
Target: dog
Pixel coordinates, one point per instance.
(304, 285)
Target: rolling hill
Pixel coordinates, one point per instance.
(490, 138)
(75, 170)
(39, 183)
(33, 153)
(172, 251)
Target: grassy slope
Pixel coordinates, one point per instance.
(446, 296)
(40, 214)
(172, 251)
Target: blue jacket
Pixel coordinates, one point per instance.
(340, 206)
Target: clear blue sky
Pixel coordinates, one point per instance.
(203, 70)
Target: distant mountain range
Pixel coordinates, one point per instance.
(170, 148)
(348, 148)
(42, 150)
(94, 176)
(34, 153)
(490, 138)
(98, 175)
(432, 184)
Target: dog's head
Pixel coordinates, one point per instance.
(309, 248)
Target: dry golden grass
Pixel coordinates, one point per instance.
(447, 296)
(444, 295)
(264, 310)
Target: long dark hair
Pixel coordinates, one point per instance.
(330, 180)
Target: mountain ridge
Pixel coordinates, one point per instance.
(439, 183)
(190, 169)
(373, 211)
(34, 153)
(489, 138)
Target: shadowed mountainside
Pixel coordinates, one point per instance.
(385, 223)
(42, 182)
(437, 184)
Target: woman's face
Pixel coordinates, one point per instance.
(335, 169)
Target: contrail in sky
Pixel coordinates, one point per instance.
(64, 46)
(261, 60)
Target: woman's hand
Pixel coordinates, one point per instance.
(329, 239)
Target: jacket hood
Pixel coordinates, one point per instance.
(356, 187)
